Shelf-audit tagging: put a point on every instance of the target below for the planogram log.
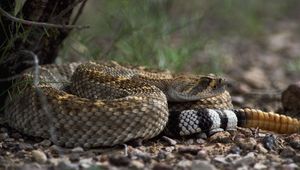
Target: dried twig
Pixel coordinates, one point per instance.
(42, 24)
(79, 11)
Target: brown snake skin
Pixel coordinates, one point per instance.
(108, 104)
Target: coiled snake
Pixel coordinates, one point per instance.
(105, 104)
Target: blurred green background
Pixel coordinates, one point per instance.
(172, 34)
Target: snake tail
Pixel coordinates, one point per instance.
(189, 122)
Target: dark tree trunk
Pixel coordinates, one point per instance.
(16, 38)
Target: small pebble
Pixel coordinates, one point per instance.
(202, 154)
(170, 148)
(269, 142)
(184, 164)
(137, 164)
(162, 166)
(246, 144)
(161, 155)
(169, 140)
(9, 139)
(296, 158)
(67, 165)
(31, 166)
(16, 135)
(45, 143)
(137, 154)
(189, 149)
(203, 165)
(290, 166)
(221, 137)
(294, 141)
(3, 136)
(200, 141)
(77, 150)
(86, 163)
(189, 142)
(3, 130)
(74, 157)
(39, 156)
(259, 166)
(261, 148)
(247, 160)
(235, 149)
(287, 152)
(119, 160)
(55, 150)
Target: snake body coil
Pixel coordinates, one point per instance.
(94, 105)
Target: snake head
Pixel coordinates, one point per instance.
(195, 88)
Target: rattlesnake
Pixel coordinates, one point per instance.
(105, 104)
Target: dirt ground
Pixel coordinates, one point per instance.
(257, 74)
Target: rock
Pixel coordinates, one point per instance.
(261, 148)
(137, 154)
(280, 41)
(26, 146)
(203, 165)
(293, 140)
(9, 140)
(161, 155)
(3, 130)
(169, 140)
(119, 160)
(296, 158)
(269, 141)
(31, 166)
(77, 150)
(256, 77)
(74, 157)
(290, 166)
(162, 166)
(16, 135)
(232, 157)
(287, 152)
(190, 142)
(220, 159)
(39, 156)
(137, 164)
(290, 98)
(184, 164)
(170, 148)
(55, 150)
(247, 160)
(45, 143)
(3, 136)
(202, 154)
(67, 166)
(86, 163)
(221, 137)
(200, 141)
(246, 144)
(189, 149)
(259, 166)
(235, 149)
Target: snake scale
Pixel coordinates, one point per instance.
(103, 104)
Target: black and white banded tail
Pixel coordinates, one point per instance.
(189, 122)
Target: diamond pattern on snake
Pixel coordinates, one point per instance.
(104, 104)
